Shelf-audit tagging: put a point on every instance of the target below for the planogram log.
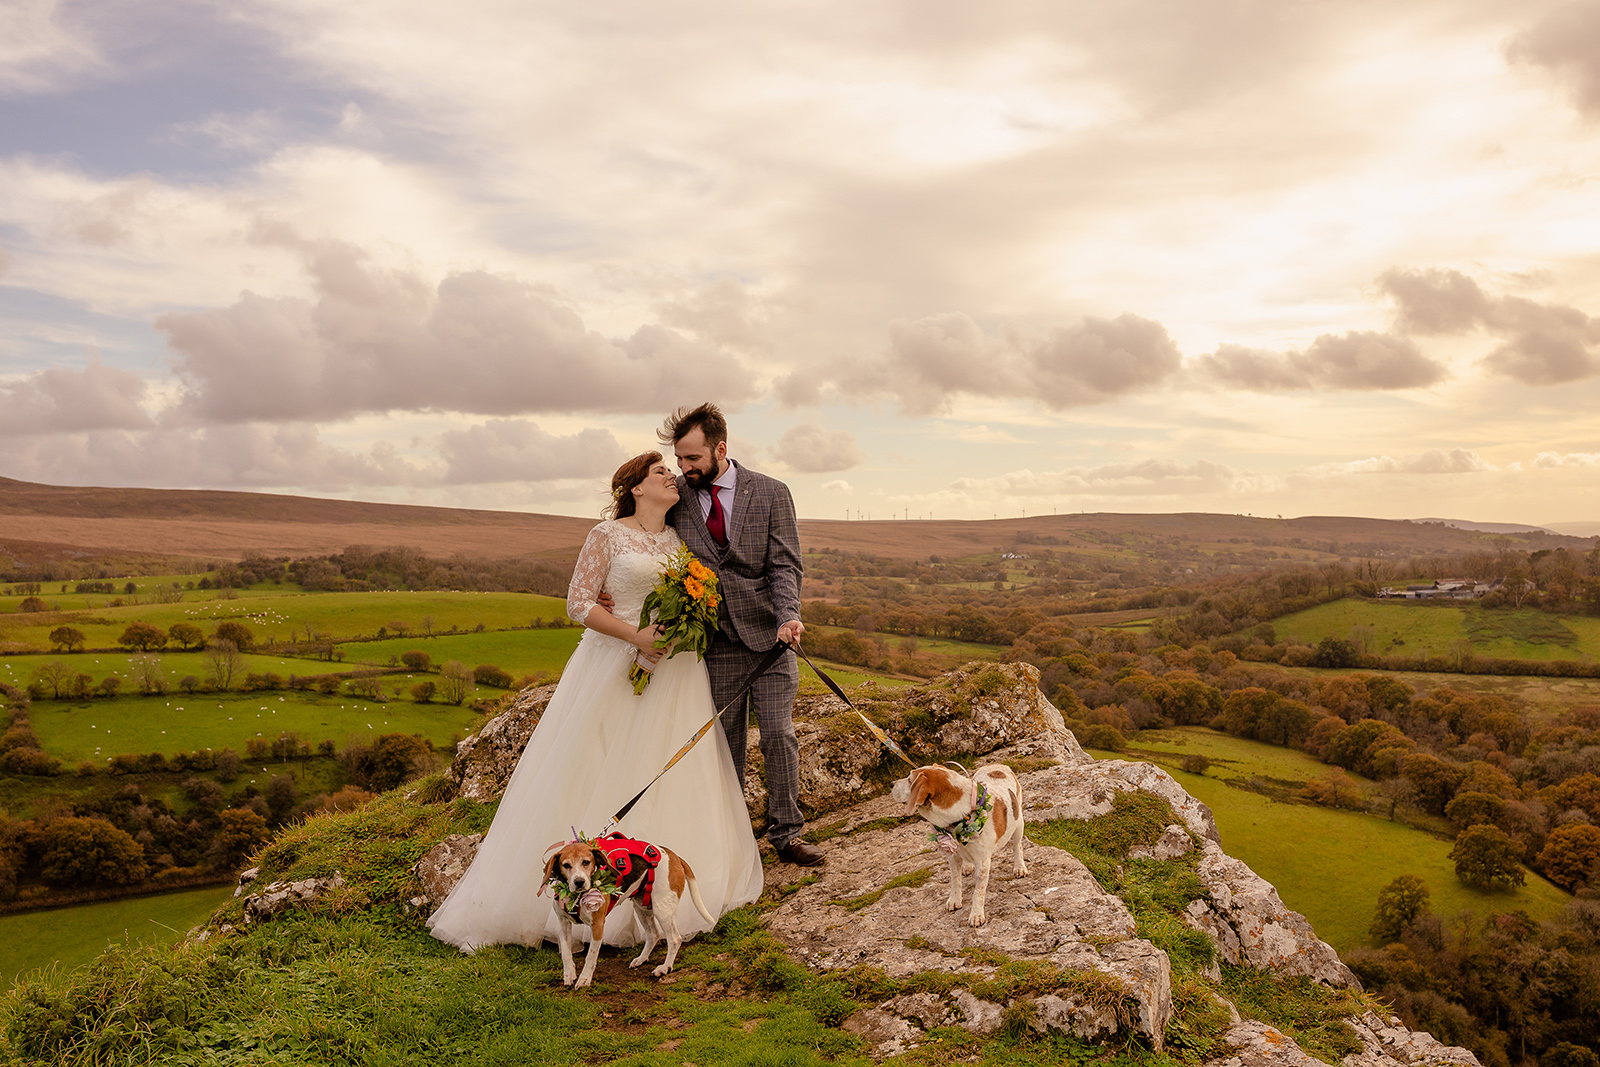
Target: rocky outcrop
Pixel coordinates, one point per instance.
(878, 902)
(278, 896)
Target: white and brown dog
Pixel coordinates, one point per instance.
(972, 819)
(590, 878)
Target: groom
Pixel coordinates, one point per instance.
(742, 525)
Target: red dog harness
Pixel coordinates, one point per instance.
(635, 863)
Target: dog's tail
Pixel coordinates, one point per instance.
(694, 895)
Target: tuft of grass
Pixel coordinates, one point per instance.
(914, 879)
(1312, 1014)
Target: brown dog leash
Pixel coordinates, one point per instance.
(774, 654)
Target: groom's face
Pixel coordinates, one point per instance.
(701, 465)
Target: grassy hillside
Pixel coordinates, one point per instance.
(68, 938)
(1397, 627)
(1326, 864)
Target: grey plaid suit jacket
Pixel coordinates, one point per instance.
(759, 572)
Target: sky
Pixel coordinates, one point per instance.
(933, 259)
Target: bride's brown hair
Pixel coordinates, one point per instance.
(629, 475)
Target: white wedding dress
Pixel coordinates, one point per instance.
(595, 747)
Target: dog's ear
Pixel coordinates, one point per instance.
(551, 854)
(923, 785)
(600, 860)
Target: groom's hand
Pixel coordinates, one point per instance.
(790, 631)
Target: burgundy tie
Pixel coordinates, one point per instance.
(715, 523)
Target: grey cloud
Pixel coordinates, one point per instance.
(810, 449)
(1566, 43)
(932, 360)
(1151, 476)
(513, 450)
(723, 313)
(384, 341)
(59, 400)
(1358, 360)
(1544, 344)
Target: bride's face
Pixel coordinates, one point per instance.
(660, 487)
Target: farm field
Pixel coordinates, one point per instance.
(74, 731)
(71, 937)
(521, 652)
(1400, 628)
(277, 616)
(1327, 864)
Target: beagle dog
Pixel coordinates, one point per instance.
(590, 878)
(972, 820)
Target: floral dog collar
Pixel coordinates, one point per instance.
(957, 834)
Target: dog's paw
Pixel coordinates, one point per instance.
(639, 962)
(662, 971)
(966, 869)
(582, 982)
(977, 918)
(1021, 871)
(952, 904)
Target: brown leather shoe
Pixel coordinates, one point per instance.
(802, 853)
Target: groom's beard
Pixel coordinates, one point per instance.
(700, 481)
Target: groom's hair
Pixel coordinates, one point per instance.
(683, 421)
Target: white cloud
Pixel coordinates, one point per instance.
(1556, 460)
(515, 450)
(385, 340)
(57, 400)
(838, 484)
(1357, 360)
(810, 449)
(1433, 461)
(1149, 476)
(38, 51)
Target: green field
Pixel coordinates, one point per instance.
(96, 730)
(1326, 864)
(521, 652)
(278, 615)
(1419, 629)
(71, 937)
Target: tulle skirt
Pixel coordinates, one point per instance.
(595, 747)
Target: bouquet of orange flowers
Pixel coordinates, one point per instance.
(684, 604)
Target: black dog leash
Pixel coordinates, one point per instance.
(877, 731)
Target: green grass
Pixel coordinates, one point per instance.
(71, 937)
(1433, 629)
(97, 730)
(1339, 860)
(521, 652)
(280, 615)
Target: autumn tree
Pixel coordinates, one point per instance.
(223, 662)
(143, 637)
(1486, 857)
(455, 682)
(1581, 791)
(242, 637)
(1470, 808)
(416, 660)
(187, 635)
(240, 832)
(1571, 854)
(85, 851)
(55, 674)
(67, 638)
(1399, 904)
(148, 675)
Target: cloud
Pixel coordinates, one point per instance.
(515, 450)
(1545, 344)
(838, 483)
(810, 449)
(932, 360)
(377, 340)
(36, 51)
(1433, 461)
(1566, 44)
(1556, 460)
(59, 400)
(1359, 360)
(1151, 476)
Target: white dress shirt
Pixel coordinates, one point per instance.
(727, 484)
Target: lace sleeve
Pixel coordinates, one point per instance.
(589, 576)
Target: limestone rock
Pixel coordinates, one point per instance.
(1250, 924)
(886, 1032)
(1386, 1042)
(1255, 1044)
(442, 866)
(978, 1015)
(245, 878)
(1084, 791)
(484, 761)
(1174, 842)
(273, 898)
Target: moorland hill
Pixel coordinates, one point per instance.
(43, 521)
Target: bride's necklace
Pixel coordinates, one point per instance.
(641, 527)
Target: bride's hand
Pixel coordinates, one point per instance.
(646, 639)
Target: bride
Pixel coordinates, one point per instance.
(598, 744)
